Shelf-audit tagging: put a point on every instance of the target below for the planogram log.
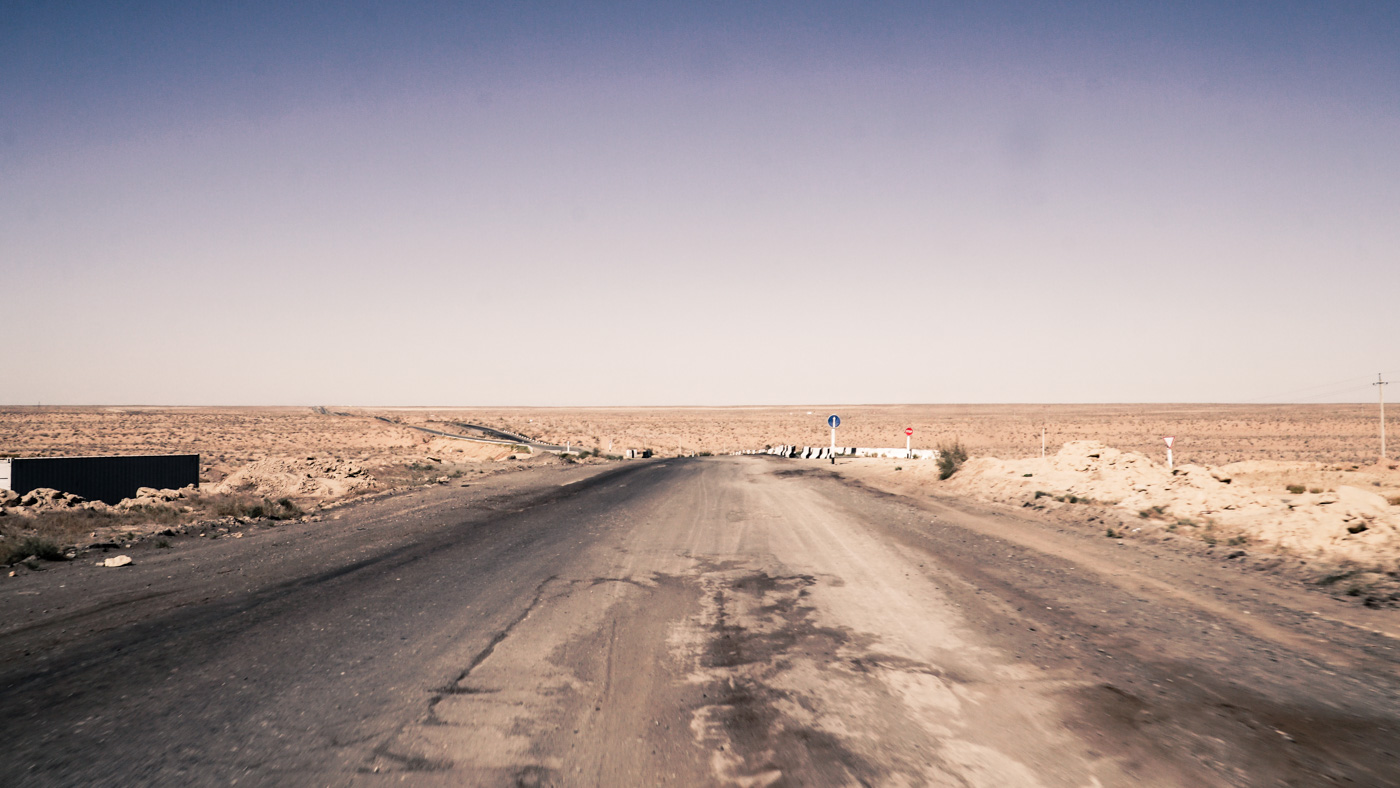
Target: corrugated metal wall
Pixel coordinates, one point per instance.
(107, 479)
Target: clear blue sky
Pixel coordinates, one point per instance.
(719, 203)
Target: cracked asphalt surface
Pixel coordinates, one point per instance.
(710, 621)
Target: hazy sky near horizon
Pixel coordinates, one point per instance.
(713, 203)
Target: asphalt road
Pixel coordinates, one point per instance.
(712, 621)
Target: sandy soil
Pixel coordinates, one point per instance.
(256, 463)
(1205, 434)
(229, 438)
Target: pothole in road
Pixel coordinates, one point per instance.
(794, 701)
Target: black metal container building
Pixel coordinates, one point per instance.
(108, 479)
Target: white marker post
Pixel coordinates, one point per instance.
(1169, 440)
(908, 443)
(1380, 385)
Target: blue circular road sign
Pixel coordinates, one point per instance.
(834, 421)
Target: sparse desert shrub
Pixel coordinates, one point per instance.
(254, 508)
(1041, 494)
(1329, 579)
(899, 467)
(36, 546)
(1297, 489)
(1393, 500)
(950, 458)
(1315, 490)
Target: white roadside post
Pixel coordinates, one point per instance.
(909, 443)
(1169, 440)
(834, 421)
(1380, 385)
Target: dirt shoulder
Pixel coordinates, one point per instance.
(1294, 520)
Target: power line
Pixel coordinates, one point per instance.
(1345, 384)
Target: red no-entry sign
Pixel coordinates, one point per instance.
(908, 430)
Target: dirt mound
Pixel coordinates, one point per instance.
(150, 498)
(1348, 523)
(308, 477)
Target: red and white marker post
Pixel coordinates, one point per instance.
(908, 442)
(1169, 440)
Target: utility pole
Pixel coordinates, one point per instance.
(1380, 385)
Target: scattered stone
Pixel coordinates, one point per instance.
(118, 560)
(49, 498)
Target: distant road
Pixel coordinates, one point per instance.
(511, 436)
(707, 621)
(502, 436)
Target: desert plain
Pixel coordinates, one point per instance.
(1302, 486)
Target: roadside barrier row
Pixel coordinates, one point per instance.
(827, 452)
